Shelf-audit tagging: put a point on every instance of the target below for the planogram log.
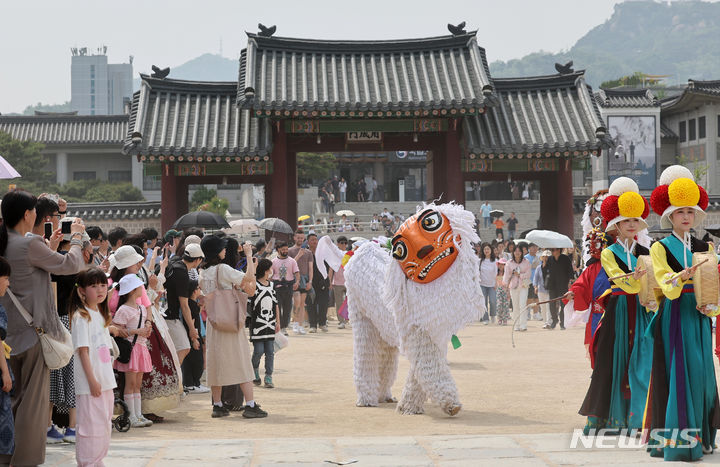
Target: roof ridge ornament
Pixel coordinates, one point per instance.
(158, 73)
(457, 30)
(266, 31)
(565, 69)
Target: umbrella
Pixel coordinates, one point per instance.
(304, 217)
(345, 212)
(7, 170)
(497, 213)
(274, 224)
(549, 239)
(242, 226)
(524, 233)
(712, 229)
(205, 219)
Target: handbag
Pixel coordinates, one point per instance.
(281, 341)
(56, 352)
(225, 308)
(125, 347)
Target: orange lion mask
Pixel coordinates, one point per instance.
(424, 246)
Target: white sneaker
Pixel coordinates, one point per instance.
(300, 330)
(201, 389)
(145, 421)
(135, 422)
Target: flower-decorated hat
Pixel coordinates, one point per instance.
(623, 202)
(678, 190)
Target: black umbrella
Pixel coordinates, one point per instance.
(524, 233)
(204, 219)
(274, 224)
(713, 229)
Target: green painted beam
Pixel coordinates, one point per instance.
(190, 169)
(419, 125)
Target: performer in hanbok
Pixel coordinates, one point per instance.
(622, 354)
(683, 398)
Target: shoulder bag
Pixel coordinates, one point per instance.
(57, 352)
(225, 308)
(124, 346)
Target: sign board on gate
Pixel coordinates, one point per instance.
(363, 136)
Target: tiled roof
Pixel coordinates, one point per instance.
(704, 87)
(192, 119)
(666, 132)
(695, 88)
(90, 212)
(536, 117)
(67, 129)
(316, 78)
(626, 98)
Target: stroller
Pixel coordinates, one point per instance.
(121, 419)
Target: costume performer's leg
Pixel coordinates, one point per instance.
(388, 371)
(413, 397)
(430, 367)
(367, 358)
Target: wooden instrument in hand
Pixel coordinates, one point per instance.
(675, 276)
(706, 282)
(623, 276)
(648, 284)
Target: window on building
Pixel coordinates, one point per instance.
(84, 176)
(691, 129)
(681, 131)
(92, 71)
(116, 176)
(718, 126)
(701, 127)
(151, 182)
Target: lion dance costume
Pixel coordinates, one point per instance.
(412, 300)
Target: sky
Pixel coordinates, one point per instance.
(36, 35)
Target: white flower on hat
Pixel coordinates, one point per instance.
(622, 185)
(675, 172)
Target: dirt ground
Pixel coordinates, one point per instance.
(536, 387)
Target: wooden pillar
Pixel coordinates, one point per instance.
(276, 190)
(548, 201)
(292, 188)
(565, 222)
(168, 195)
(454, 183)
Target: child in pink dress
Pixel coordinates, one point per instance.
(134, 318)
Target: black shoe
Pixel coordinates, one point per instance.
(233, 408)
(257, 382)
(562, 328)
(254, 412)
(219, 411)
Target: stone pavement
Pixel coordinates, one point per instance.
(454, 450)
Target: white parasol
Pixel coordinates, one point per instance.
(549, 239)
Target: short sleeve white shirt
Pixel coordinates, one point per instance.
(95, 336)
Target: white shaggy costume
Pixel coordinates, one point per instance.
(389, 312)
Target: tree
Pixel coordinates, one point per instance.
(636, 79)
(26, 157)
(201, 196)
(313, 167)
(217, 205)
(113, 192)
(40, 107)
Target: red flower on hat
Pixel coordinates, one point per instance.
(646, 211)
(703, 203)
(660, 199)
(609, 208)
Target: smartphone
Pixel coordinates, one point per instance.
(48, 229)
(65, 226)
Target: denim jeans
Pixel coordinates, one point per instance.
(490, 301)
(267, 347)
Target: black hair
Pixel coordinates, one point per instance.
(263, 265)
(193, 285)
(86, 278)
(117, 274)
(260, 244)
(231, 252)
(280, 244)
(522, 256)
(342, 238)
(482, 252)
(94, 232)
(311, 235)
(215, 261)
(44, 207)
(116, 235)
(4, 267)
(299, 231)
(149, 233)
(14, 206)
(136, 240)
(191, 231)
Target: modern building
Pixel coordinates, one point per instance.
(99, 88)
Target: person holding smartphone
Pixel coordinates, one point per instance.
(47, 222)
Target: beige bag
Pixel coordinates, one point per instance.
(57, 352)
(226, 308)
(648, 284)
(706, 282)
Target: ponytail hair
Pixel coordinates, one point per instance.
(14, 206)
(84, 279)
